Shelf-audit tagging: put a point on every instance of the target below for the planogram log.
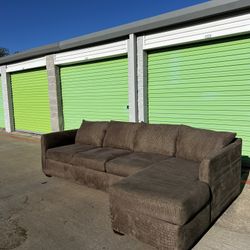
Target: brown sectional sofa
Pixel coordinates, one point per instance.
(167, 183)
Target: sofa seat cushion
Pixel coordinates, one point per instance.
(132, 163)
(96, 158)
(91, 133)
(179, 168)
(195, 144)
(159, 194)
(65, 153)
(121, 135)
(154, 138)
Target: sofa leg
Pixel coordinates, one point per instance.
(118, 233)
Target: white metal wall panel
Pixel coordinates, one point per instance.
(30, 64)
(7, 99)
(95, 52)
(229, 26)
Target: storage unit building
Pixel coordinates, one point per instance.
(203, 82)
(31, 111)
(190, 66)
(95, 91)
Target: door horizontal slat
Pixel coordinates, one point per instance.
(204, 85)
(31, 101)
(95, 91)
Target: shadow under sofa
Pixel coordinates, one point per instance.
(167, 183)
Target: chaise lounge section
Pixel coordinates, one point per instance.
(167, 183)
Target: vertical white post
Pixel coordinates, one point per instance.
(132, 78)
(7, 100)
(142, 81)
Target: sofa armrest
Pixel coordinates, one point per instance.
(215, 165)
(56, 139)
(222, 172)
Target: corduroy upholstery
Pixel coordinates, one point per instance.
(166, 183)
(159, 139)
(121, 135)
(96, 158)
(132, 163)
(66, 153)
(195, 144)
(91, 133)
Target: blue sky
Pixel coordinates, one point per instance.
(30, 23)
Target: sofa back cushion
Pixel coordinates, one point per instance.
(91, 133)
(155, 138)
(195, 144)
(121, 135)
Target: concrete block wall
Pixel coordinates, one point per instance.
(54, 94)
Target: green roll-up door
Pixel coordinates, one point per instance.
(31, 101)
(204, 85)
(1, 106)
(95, 91)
